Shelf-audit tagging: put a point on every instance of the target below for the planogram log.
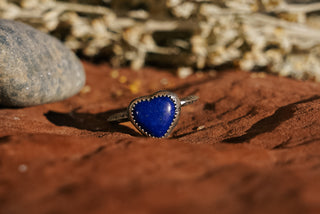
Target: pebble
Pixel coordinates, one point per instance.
(22, 168)
(184, 72)
(35, 68)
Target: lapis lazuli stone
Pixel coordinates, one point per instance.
(155, 116)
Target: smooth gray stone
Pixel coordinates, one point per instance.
(35, 68)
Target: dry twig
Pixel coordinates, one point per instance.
(275, 35)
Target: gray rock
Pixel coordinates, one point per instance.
(35, 68)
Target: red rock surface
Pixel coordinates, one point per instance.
(251, 144)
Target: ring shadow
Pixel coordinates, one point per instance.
(90, 122)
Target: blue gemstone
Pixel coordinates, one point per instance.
(154, 116)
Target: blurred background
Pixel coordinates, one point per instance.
(277, 36)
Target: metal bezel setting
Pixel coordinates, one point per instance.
(169, 94)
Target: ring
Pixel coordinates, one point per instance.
(155, 115)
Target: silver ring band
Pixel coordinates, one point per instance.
(188, 100)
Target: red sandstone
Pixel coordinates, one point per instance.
(251, 144)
